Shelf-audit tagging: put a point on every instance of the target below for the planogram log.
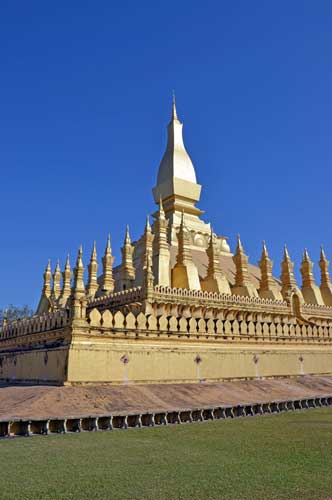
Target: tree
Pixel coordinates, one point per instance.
(14, 312)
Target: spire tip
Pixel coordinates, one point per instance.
(127, 235)
(67, 265)
(264, 251)
(239, 244)
(174, 112)
(147, 228)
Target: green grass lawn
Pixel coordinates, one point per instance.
(287, 456)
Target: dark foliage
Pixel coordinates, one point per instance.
(12, 312)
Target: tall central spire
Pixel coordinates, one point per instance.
(176, 162)
(176, 182)
(179, 191)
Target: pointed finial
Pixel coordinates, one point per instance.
(286, 254)
(94, 251)
(306, 255)
(78, 285)
(267, 286)
(56, 288)
(211, 242)
(147, 224)
(92, 286)
(79, 261)
(325, 280)
(108, 244)
(322, 253)
(107, 284)
(239, 244)
(127, 236)
(67, 266)
(174, 113)
(161, 208)
(265, 254)
(47, 276)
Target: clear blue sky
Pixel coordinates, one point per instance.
(84, 103)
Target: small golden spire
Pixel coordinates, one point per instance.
(325, 280)
(268, 288)
(242, 282)
(184, 253)
(185, 273)
(240, 260)
(94, 251)
(107, 277)
(56, 290)
(108, 249)
(78, 299)
(127, 240)
(310, 291)
(147, 225)
(265, 254)
(213, 256)
(66, 283)
(322, 254)
(93, 269)
(215, 280)
(324, 270)
(148, 273)
(161, 209)
(78, 286)
(44, 302)
(265, 265)
(286, 254)
(287, 275)
(239, 247)
(126, 273)
(213, 253)
(67, 265)
(160, 252)
(47, 280)
(146, 241)
(306, 270)
(306, 257)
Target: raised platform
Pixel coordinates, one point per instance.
(45, 402)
